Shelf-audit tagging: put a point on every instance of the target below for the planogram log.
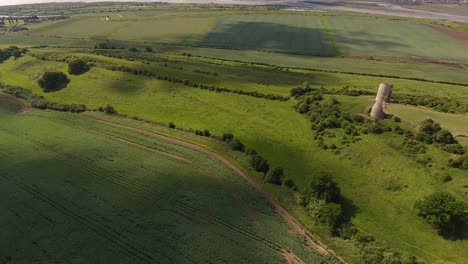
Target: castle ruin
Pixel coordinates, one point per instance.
(383, 97)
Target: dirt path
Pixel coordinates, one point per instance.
(289, 219)
(461, 36)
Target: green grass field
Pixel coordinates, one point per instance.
(115, 201)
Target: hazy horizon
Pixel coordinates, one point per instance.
(22, 2)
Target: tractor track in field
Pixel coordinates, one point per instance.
(248, 210)
(85, 219)
(129, 185)
(297, 228)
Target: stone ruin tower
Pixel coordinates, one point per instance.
(383, 96)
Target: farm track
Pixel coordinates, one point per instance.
(129, 185)
(310, 239)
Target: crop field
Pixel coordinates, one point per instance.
(290, 33)
(172, 29)
(368, 36)
(126, 198)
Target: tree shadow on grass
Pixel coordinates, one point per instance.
(290, 39)
(349, 209)
(270, 36)
(459, 231)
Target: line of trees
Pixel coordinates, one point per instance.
(39, 102)
(196, 85)
(12, 51)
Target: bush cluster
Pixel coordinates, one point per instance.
(446, 105)
(443, 211)
(270, 175)
(322, 198)
(12, 51)
(53, 81)
(431, 132)
(108, 109)
(372, 251)
(77, 67)
(39, 102)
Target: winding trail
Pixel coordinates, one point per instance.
(295, 226)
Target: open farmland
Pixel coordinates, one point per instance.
(367, 36)
(254, 87)
(132, 198)
(173, 29)
(289, 33)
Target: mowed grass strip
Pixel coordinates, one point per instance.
(286, 33)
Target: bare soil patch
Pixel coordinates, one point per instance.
(458, 35)
(22, 108)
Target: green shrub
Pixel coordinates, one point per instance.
(441, 210)
(328, 214)
(275, 176)
(322, 187)
(235, 144)
(444, 136)
(109, 109)
(289, 183)
(227, 137)
(53, 81)
(77, 67)
(454, 149)
(259, 164)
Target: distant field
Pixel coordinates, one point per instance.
(288, 33)
(441, 8)
(135, 199)
(169, 29)
(456, 123)
(374, 36)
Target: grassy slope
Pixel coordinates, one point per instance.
(91, 196)
(281, 135)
